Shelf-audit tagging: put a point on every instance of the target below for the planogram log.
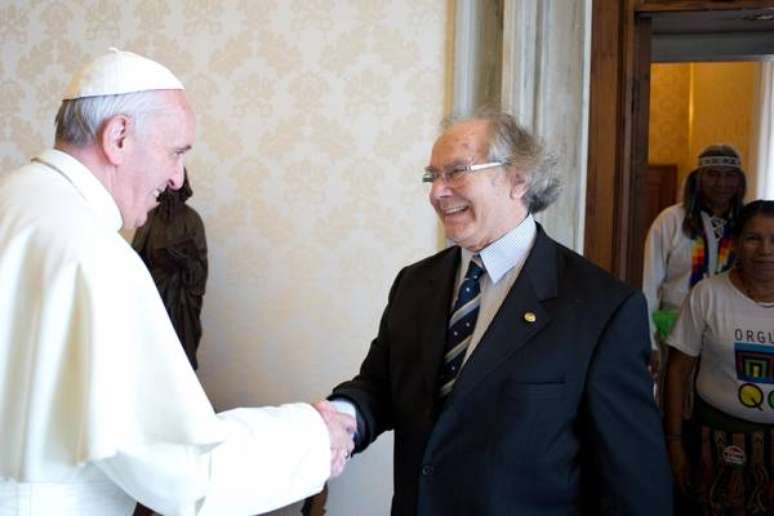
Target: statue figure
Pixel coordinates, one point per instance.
(174, 248)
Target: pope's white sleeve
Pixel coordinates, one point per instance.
(270, 457)
(284, 456)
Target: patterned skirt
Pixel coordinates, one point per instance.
(733, 465)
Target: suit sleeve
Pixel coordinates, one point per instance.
(625, 430)
(370, 391)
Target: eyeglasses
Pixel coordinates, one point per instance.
(457, 175)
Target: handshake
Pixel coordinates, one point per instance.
(341, 429)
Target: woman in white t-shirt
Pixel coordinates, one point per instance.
(726, 460)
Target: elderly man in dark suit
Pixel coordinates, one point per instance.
(513, 371)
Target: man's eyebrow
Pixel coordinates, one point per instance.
(183, 149)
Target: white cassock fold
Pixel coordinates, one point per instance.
(247, 463)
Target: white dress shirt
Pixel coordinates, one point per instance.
(503, 260)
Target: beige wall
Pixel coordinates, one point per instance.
(693, 105)
(315, 121)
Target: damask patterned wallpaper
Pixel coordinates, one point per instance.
(315, 119)
(693, 105)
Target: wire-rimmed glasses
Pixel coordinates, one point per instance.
(456, 175)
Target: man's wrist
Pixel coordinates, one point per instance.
(345, 406)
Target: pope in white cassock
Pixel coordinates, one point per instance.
(98, 405)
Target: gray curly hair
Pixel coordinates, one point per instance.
(512, 143)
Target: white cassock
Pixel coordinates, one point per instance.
(98, 404)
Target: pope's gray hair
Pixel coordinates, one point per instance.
(512, 143)
(79, 120)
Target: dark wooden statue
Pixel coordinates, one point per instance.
(174, 248)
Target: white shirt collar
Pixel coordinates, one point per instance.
(509, 251)
(94, 193)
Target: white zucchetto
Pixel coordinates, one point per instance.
(118, 72)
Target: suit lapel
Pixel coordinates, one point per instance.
(512, 327)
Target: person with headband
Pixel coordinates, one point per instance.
(691, 240)
(98, 404)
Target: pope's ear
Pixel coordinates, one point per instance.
(113, 138)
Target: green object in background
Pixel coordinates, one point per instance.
(664, 320)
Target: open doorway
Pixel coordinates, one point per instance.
(628, 37)
(693, 105)
(707, 85)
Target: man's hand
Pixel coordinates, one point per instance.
(341, 429)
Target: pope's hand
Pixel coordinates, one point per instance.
(341, 429)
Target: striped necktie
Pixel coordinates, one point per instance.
(461, 324)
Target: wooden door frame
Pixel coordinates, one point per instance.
(619, 100)
(606, 129)
(611, 125)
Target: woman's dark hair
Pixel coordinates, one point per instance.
(759, 207)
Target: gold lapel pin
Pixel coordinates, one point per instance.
(530, 317)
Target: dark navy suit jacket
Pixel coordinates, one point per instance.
(550, 417)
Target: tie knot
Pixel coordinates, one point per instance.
(475, 268)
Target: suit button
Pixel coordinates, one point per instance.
(427, 470)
